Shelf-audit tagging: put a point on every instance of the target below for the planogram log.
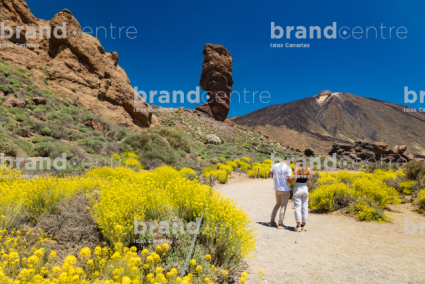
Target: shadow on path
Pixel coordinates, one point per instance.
(266, 224)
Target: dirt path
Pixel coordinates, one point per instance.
(336, 248)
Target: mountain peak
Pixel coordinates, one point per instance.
(331, 117)
(323, 96)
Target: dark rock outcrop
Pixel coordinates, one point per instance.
(371, 151)
(309, 152)
(216, 80)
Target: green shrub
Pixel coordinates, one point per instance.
(92, 144)
(59, 148)
(11, 125)
(7, 146)
(15, 82)
(46, 131)
(39, 139)
(21, 116)
(415, 170)
(22, 131)
(83, 128)
(175, 138)
(25, 145)
(65, 110)
(121, 134)
(32, 107)
(181, 153)
(88, 116)
(42, 149)
(7, 89)
(67, 117)
(265, 149)
(166, 155)
(102, 139)
(57, 121)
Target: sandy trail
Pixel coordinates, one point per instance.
(335, 249)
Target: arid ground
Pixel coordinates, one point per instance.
(336, 248)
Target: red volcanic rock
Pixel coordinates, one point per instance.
(399, 149)
(77, 66)
(39, 100)
(216, 80)
(381, 148)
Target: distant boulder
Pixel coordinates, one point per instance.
(309, 152)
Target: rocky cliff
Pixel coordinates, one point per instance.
(76, 65)
(216, 80)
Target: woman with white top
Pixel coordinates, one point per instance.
(302, 175)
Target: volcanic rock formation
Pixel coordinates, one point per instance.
(76, 66)
(372, 151)
(216, 80)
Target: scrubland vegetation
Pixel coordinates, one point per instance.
(78, 226)
(116, 197)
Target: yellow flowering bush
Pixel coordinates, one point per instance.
(406, 186)
(226, 168)
(187, 171)
(157, 194)
(35, 197)
(217, 174)
(261, 168)
(117, 197)
(242, 164)
(420, 201)
(246, 159)
(364, 194)
(233, 164)
(324, 198)
(27, 258)
(129, 159)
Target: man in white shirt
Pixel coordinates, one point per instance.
(282, 175)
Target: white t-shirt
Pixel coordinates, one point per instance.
(281, 172)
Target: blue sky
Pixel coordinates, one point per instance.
(167, 53)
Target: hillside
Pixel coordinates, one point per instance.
(319, 121)
(77, 67)
(42, 123)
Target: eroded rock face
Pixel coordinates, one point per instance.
(77, 66)
(216, 79)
